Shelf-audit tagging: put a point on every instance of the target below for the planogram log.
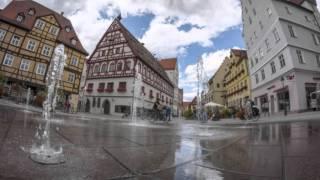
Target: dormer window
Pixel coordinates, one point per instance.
(73, 41)
(20, 18)
(68, 29)
(31, 12)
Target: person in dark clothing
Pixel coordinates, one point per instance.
(168, 113)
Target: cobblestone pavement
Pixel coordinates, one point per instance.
(96, 149)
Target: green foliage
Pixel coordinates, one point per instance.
(188, 114)
(225, 113)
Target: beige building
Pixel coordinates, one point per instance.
(29, 33)
(217, 90)
(237, 79)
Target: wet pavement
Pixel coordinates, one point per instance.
(96, 149)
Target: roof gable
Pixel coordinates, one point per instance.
(169, 64)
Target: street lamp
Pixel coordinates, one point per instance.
(284, 100)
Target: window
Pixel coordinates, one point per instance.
(250, 2)
(112, 67)
(142, 90)
(276, 35)
(73, 41)
(218, 85)
(54, 30)
(96, 68)
(2, 34)
(71, 77)
(262, 74)
(288, 10)
(255, 35)
(316, 39)
(74, 61)
(261, 53)
(269, 12)
(307, 18)
(122, 86)
(90, 86)
(300, 57)
(31, 45)
(40, 24)
(251, 62)
(282, 61)
(101, 86)
(151, 94)
(273, 67)
(110, 86)
(119, 66)
(256, 59)
(15, 40)
(68, 29)
(8, 60)
(318, 60)
(94, 102)
(24, 66)
(261, 25)
(128, 65)
(41, 69)
(20, 18)
(246, 10)
(257, 78)
(118, 50)
(267, 43)
(103, 52)
(122, 109)
(291, 31)
(31, 12)
(46, 50)
(103, 68)
(254, 11)
(250, 20)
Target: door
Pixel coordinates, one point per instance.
(106, 107)
(87, 106)
(272, 104)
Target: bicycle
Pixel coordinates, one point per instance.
(252, 114)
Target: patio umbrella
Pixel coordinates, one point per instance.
(213, 104)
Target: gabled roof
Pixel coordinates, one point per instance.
(142, 52)
(169, 64)
(15, 7)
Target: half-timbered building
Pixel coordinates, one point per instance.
(29, 33)
(112, 68)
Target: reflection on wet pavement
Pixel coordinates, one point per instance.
(97, 149)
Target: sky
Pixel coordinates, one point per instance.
(186, 29)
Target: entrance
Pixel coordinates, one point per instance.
(310, 87)
(284, 100)
(106, 107)
(87, 106)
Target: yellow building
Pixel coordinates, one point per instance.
(237, 79)
(217, 90)
(29, 32)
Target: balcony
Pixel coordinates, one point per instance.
(100, 90)
(89, 90)
(122, 89)
(109, 90)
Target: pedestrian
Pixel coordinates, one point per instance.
(156, 109)
(168, 114)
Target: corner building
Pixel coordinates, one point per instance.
(112, 68)
(29, 33)
(283, 42)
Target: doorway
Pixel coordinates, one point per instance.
(87, 106)
(106, 107)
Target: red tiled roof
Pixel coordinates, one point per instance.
(239, 52)
(168, 64)
(186, 104)
(15, 7)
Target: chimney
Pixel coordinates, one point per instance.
(62, 13)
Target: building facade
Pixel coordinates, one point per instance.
(283, 42)
(171, 68)
(112, 70)
(237, 79)
(29, 33)
(216, 85)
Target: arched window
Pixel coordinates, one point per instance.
(103, 68)
(112, 67)
(119, 66)
(96, 68)
(144, 71)
(139, 68)
(128, 65)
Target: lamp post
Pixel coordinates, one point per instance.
(284, 100)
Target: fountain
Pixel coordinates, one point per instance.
(26, 110)
(43, 152)
(136, 93)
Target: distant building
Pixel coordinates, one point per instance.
(186, 106)
(283, 42)
(171, 68)
(237, 79)
(110, 83)
(180, 102)
(29, 33)
(217, 91)
(193, 104)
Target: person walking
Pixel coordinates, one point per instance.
(168, 114)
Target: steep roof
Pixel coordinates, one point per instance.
(15, 7)
(239, 52)
(143, 53)
(169, 64)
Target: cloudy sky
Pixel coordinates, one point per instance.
(187, 29)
